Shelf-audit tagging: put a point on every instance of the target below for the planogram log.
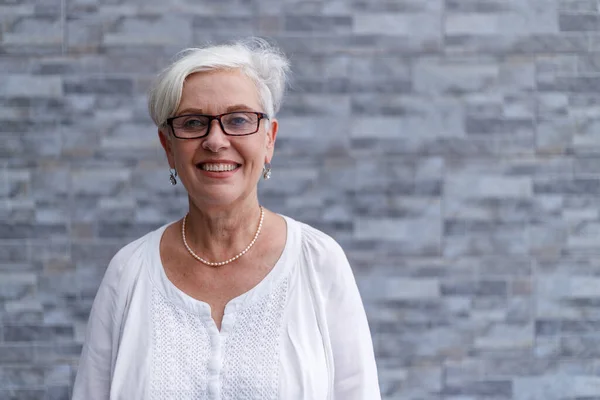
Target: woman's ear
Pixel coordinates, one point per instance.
(165, 141)
(272, 134)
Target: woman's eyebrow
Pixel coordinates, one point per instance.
(190, 111)
(235, 107)
(238, 107)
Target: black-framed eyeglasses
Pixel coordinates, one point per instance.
(195, 126)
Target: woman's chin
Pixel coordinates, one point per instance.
(216, 197)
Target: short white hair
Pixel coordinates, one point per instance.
(265, 64)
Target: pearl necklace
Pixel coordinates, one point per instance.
(218, 264)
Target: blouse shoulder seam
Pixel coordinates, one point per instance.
(124, 258)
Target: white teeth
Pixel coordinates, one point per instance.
(218, 167)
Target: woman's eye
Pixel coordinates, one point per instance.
(238, 121)
(194, 123)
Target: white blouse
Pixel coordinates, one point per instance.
(301, 333)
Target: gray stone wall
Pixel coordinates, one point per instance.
(451, 147)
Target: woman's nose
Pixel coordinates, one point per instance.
(216, 138)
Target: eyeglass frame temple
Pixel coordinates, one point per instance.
(218, 117)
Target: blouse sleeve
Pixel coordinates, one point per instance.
(94, 372)
(355, 370)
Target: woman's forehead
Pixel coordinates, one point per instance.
(219, 89)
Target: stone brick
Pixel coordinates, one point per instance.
(315, 105)
(549, 239)
(59, 375)
(13, 252)
(84, 35)
(30, 333)
(23, 317)
(23, 376)
(579, 347)
(584, 106)
(27, 149)
(496, 126)
(586, 139)
(382, 75)
(474, 288)
(471, 24)
(22, 394)
(482, 388)
(579, 84)
(589, 63)
(577, 6)
(502, 337)
(131, 137)
(582, 287)
(490, 209)
(586, 166)
(460, 76)
(17, 9)
(400, 289)
(16, 353)
(556, 386)
(127, 229)
(17, 286)
(33, 34)
(550, 43)
(483, 238)
(320, 68)
(375, 104)
(586, 386)
(98, 86)
(579, 22)
(476, 6)
(566, 187)
(149, 30)
(55, 353)
(426, 378)
(552, 105)
(457, 372)
(526, 18)
(488, 186)
(314, 23)
(30, 86)
(415, 236)
(85, 183)
(518, 107)
(58, 393)
(421, 25)
(555, 136)
(434, 125)
(582, 237)
(579, 327)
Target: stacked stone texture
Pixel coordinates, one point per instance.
(451, 146)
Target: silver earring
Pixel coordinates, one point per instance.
(267, 171)
(173, 177)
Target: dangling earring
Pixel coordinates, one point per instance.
(173, 177)
(267, 171)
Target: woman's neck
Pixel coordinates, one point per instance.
(218, 233)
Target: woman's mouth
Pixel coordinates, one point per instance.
(218, 167)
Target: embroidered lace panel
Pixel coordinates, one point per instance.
(251, 356)
(181, 352)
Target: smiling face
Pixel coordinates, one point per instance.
(219, 169)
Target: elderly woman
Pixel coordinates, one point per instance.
(232, 301)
